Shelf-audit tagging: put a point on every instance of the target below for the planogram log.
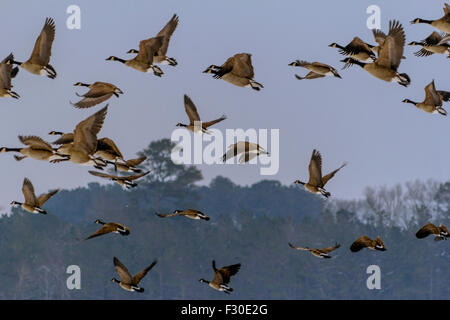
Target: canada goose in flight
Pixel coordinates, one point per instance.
(366, 242)
(98, 93)
(439, 233)
(317, 70)
(356, 49)
(33, 204)
(40, 57)
(65, 137)
(189, 213)
(37, 149)
(317, 182)
(7, 72)
(433, 100)
(389, 57)
(84, 145)
(249, 150)
(222, 277)
(320, 253)
(126, 182)
(166, 33)
(442, 24)
(195, 124)
(432, 44)
(237, 70)
(127, 281)
(129, 165)
(143, 61)
(108, 228)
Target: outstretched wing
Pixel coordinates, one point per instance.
(86, 131)
(426, 230)
(299, 248)
(123, 272)
(138, 277)
(44, 197)
(167, 32)
(360, 243)
(28, 192)
(326, 178)
(315, 169)
(191, 110)
(43, 45)
(329, 249)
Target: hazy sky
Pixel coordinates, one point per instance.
(358, 119)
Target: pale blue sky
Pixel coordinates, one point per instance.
(358, 119)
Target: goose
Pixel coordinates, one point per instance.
(390, 54)
(244, 147)
(189, 213)
(237, 70)
(84, 145)
(320, 253)
(195, 124)
(98, 92)
(33, 204)
(317, 182)
(366, 242)
(222, 277)
(129, 165)
(127, 281)
(445, 39)
(317, 69)
(433, 100)
(439, 233)
(442, 24)
(40, 57)
(432, 44)
(7, 72)
(356, 49)
(143, 61)
(166, 33)
(65, 137)
(37, 149)
(108, 228)
(126, 182)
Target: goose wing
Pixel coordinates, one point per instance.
(426, 230)
(242, 65)
(85, 136)
(136, 176)
(135, 162)
(122, 271)
(433, 39)
(106, 144)
(360, 243)
(43, 45)
(326, 178)
(247, 156)
(64, 139)
(28, 192)
(432, 98)
(191, 110)
(228, 271)
(391, 51)
(167, 32)
(149, 48)
(315, 169)
(357, 46)
(102, 175)
(35, 142)
(298, 248)
(329, 249)
(379, 36)
(107, 228)
(445, 95)
(45, 196)
(210, 123)
(138, 277)
(5, 72)
(310, 75)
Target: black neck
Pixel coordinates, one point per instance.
(120, 60)
(12, 149)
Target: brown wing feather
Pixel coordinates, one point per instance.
(167, 32)
(326, 178)
(135, 162)
(210, 123)
(228, 271)
(391, 52)
(43, 46)
(45, 196)
(123, 272)
(426, 230)
(86, 131)
(315, 169)
(191, 110)
(136, 176)
(107, 228)
(360, 243)
(35, 142)
(28, 192)
(101, 174)
(329, 249)
(138, 277)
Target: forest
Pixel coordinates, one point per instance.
(251, 225)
